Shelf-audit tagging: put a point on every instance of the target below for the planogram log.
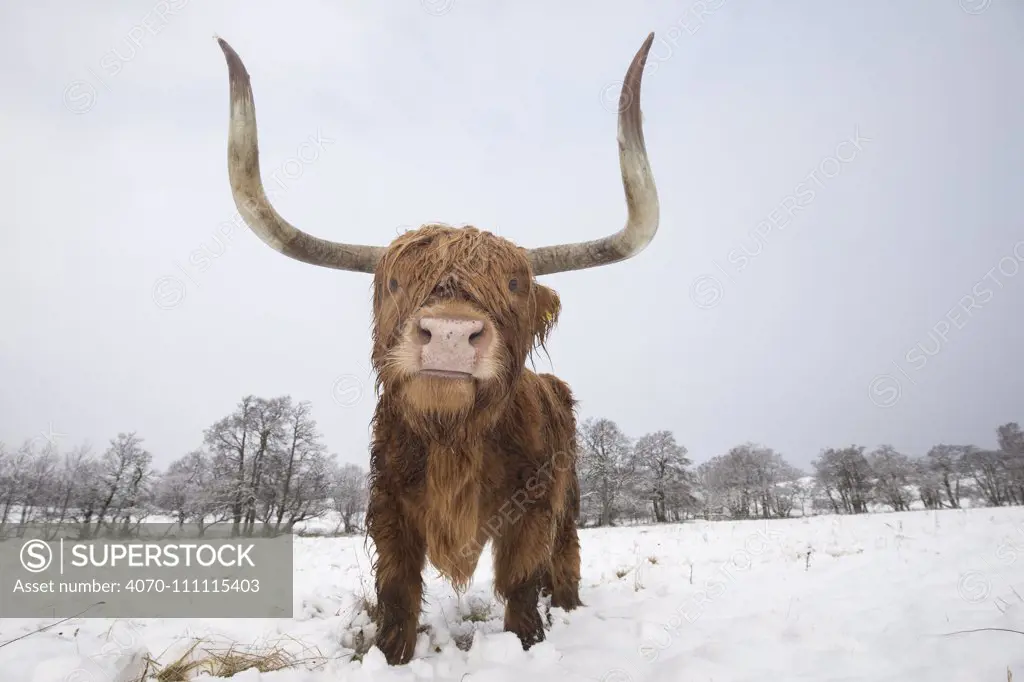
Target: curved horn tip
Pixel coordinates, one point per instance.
(225, 48)
(641, 54)
(229, 53)
(236, 68)
(629, 98)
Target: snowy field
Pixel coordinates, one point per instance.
(866, 598)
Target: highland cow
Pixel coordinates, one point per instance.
(469, 445)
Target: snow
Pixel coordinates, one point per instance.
(868, 598)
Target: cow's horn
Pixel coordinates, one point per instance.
(251, 200)
(637, 180)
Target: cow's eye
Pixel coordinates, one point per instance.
(393, 285)
(513, 284)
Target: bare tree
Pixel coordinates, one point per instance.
(14, 482)
(893, 472)
(992, 479)
(350, 495)
(947, 461)
(189, 492)
(124, 477)
(270, 434)
(605, 468)
(270, 464)
(32, 485)
(1011, 449)
(75, 479)
(234, 445)
(928, 482)
(749, 480)
(728, 482)
(786, 492)
(661, 465)
(845, 476)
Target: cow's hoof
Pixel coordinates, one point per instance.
(567, 599)
(397, 644)
(529, 629)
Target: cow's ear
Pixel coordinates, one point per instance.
(547, 307)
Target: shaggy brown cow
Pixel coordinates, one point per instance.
(469, 445)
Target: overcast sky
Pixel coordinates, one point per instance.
(840, 258)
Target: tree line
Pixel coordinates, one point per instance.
(265, 464)
(651, 479)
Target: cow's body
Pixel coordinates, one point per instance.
(469, 446)
(457, 462)
(514, 485)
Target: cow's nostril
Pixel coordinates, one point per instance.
(424, 336)
(476, 336)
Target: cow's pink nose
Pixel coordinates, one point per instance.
(450, 345)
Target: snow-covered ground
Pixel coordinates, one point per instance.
(866, 598)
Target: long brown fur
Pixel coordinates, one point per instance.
(493, 459)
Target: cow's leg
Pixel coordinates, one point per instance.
(563, 577)
(398, 568)
(564, 574)
(521, 556)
